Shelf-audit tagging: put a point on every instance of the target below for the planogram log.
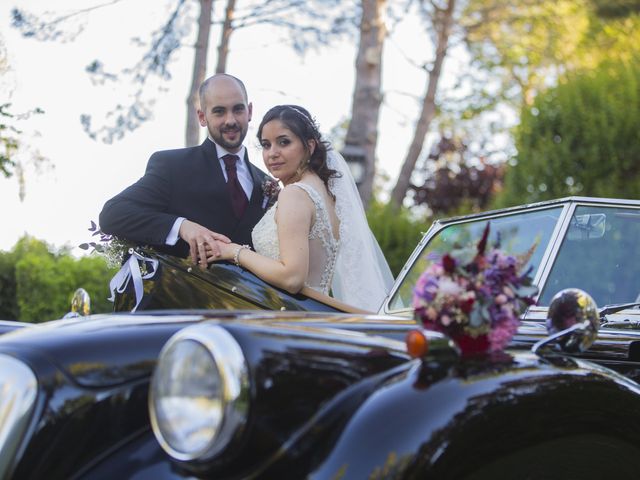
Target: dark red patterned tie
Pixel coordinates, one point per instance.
(239, 200)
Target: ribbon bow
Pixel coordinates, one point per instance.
(131, 270)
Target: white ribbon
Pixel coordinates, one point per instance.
(131, 270)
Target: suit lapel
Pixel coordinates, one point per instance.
(256, 192)
(211, 155)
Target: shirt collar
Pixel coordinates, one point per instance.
(222, 152)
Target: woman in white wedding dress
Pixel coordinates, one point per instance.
(316, 235)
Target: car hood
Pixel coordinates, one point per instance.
(7, 326)
(108, 350)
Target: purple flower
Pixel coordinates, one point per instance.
(480, 299)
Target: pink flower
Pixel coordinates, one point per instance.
(419, 302)
(450, 293)
(501, 335)
(434, 270)
(500, 299)
(449, 286)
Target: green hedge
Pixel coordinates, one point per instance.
(396, 231)
(580, 138)
(37, 282)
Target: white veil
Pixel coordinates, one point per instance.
(362, 276)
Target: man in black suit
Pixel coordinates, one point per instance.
(191, 198)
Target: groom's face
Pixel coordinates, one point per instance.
(226, 113)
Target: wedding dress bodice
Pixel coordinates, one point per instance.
(323, 247)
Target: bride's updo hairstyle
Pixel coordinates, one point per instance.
(299, 121)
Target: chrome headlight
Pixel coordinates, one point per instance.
(199, 395)
(18, 391)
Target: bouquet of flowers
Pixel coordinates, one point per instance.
(474, 296)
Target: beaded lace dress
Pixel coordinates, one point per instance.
(323, 247)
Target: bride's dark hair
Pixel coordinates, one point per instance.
(299, 121)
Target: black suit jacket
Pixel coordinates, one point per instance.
(186, 182)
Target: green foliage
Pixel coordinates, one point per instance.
(616, 8)
(580, 138)
(520, 45)
(8, 133)
(8, 300)
(8, 142)
(519, 49)
(524, 47)
(396, 232)
(37, 283)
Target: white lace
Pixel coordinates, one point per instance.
(362, 276)
(323, 247)
(353, 268)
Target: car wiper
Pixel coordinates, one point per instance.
(609, 309)
(614, 308)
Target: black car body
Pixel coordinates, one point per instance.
(309, 388)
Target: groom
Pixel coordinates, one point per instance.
(191, 198)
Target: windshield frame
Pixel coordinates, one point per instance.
(441, 224)
(569, 205)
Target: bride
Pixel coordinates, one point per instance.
(316, 235)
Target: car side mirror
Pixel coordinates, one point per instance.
(587, 226)
(573, 322)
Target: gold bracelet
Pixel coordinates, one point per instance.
(236, 257)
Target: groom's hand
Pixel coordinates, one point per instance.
(201, 240)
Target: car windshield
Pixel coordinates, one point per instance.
(600, 254)
(519, 234)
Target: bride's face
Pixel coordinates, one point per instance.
(283, 152)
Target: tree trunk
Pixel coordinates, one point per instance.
(227, 30)
(443, 20)
(199, 71)
(367, 95)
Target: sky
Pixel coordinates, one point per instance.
(81, 174)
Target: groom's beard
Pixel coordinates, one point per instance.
(229, 142)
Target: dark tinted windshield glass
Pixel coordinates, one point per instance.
(519, 233)
(600, 254)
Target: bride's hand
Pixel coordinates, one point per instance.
(227, 252)
(203, 243)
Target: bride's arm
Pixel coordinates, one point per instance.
(293, 217)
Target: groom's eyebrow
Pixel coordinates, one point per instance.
(223, 108)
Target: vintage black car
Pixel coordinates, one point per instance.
(219, 375)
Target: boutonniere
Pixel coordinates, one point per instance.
(270, 191)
